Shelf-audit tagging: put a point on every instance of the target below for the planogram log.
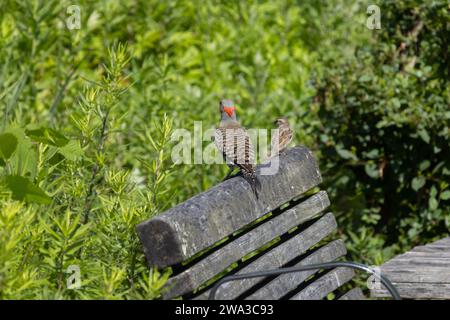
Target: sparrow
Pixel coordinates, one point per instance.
(284, 135)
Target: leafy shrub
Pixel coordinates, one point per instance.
(87, 214)
(384, 132)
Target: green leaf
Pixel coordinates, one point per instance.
(72, 150)
(433, 203)
(396, 103)
(23, 189)
(8, 144)
(364, 78)
(346, 154)
(438, 167)
(445, 195)
(424, 165)
(424, 135)
(373, 154)
(24, 160)
(372, 170)
(52, 233)
(56, 158)
(433, 191)
(418, 182)
(47, 136)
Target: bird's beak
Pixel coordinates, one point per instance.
(229, 110)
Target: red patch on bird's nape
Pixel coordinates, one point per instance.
(229, 110)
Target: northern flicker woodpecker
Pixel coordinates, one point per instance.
(234, 143)
(284, 137)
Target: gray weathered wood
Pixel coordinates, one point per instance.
(443, 241)
(196, 224)
(420, 255)
(353, 294)
(410, 272)
(320, 288)
(410, 290)
(213, 264)
(282, 284)
(279, 256)
(422, 273)
(436, 249)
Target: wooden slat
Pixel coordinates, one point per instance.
(443, 241)
(281, 285)
(440, 246)
(421, 255)
(247, 243)
(422, 273)
(409, 272)
(419, 259)
(321, 287)
(196, 224)
(418, 290)
(353, 294)
(277, 257)
(435, 249)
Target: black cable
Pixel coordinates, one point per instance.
(385, 281)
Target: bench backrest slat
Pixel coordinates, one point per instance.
(326, 284)
(279, 256)
(281, 285)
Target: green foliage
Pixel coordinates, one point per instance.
(17, 277)
(8, 144)
(24, 190)
(85, 149)
(385, 132)
(87, 214)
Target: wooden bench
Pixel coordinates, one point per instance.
(227, 230)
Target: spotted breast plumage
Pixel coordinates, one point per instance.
(282, 137)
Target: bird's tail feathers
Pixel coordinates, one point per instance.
(254, 182)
